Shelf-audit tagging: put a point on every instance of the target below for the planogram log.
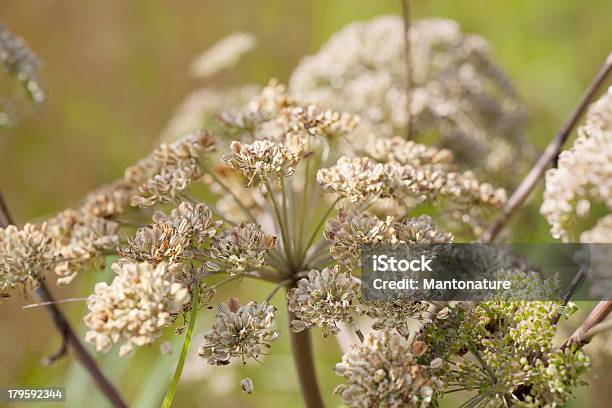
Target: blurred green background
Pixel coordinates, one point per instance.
(115, 70)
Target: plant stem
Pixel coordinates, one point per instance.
(167, 403)
(224, 186)
(599, 313)
(313, 236)
(281, 225)
(550, 154)
(301, 347)
(408, 66)
(69, 336)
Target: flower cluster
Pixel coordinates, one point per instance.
(263, 161)
(240, 248)
(384, 371)
(362, 178)
(81, 241)
(140, 301)
(350, 230)
(583, 173)
(505, 351)
(16, 59)
(323, 300)
(458, 93)
(169, 170)
(26, 255)
(239, 331)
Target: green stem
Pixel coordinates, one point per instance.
(281, 225)
(318, 227)
(181, 363)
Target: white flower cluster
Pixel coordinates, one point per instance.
(383, 371)
(169, 170)
(583, 174)
(323, 300)
(140, 301)
(239, 331)
(25, 257)
(458, 93)
(240, 248)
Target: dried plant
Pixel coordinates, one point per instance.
(300, 187)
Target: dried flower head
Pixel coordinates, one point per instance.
(583, 173)
(158, 242)
(402, 151)
(141, 300)
(81, 241)
(399, 314)
(26, 256)
(169, 169)
(107, 201)
(352, 229)
(354, 179)
(420, 230)
(323, 300)
(198, 219)
(239, 331)
(264, 161)
(240, 248)
(383, 371)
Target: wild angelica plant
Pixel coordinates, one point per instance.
(299, 190)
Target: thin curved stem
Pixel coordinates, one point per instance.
(549, 156)
(313, 236)
(167, 403)
(408, 66)
(69, 337)
(224, 186)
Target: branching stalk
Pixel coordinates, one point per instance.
(69, 336)
(550, 154)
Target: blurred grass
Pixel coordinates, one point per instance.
(115, 70)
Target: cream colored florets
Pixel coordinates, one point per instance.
(134, 308)
(583, 174)
(420, 230)
(168, 170)
(239, 331)
(81, 241)
(350, 230)
(263, 161)
(402, 151)
(162, 241)
(26, 255)
(194, 220)
(323, 300)
(458, 94)
(384, 372)
(354, 179)
(240, 248)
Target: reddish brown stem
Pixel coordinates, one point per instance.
(408, 66)
(549, 156)
(69, 337)
(303, 359)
